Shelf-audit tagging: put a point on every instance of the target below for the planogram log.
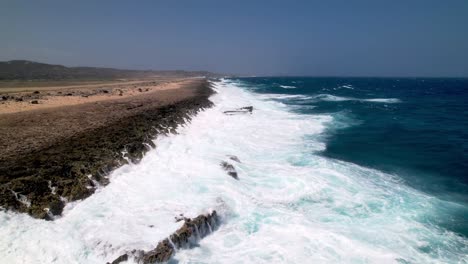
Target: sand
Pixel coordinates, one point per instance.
(19, 99)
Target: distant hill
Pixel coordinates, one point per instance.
(29, 70)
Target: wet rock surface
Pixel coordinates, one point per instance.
(184, 238)
(242, 110)
(38, 179)
(234, 158)
(229, 168)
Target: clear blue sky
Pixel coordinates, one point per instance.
(339, 38)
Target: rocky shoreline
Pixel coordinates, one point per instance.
(40, 179)
(185, 237)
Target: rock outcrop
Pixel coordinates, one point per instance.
(39, 181)
(242, 110)
(234, 158)
(229, 168)
(184, 238)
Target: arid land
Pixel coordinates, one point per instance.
(60, 139)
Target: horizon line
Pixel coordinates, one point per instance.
(235, 75)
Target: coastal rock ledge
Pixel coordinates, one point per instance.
(42, 167)
(184, 238)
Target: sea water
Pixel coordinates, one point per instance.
(331, 170)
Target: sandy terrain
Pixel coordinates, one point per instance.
(18, 99)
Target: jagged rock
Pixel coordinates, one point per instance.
(234, 158)
(242, 110)
(180, 218)
(122, 258)
(56, 207)
(185, 237)
(229, 168)
(162, 253)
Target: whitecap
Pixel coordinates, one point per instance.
(333, 98)
(383, 100)
(284, 96)
(347, 86)
(288, 86)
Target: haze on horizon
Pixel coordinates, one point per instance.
(317, 38)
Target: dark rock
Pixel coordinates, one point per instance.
(69, 94)
(181, 218)
(122, 258)
(234, 158)
(36, 92)
(140, 90)
(105, 91)
(19, 99)
(34, 102)
(229, 168)
(4, 98)
(56, 207)
(185, 237)
(162, 253)
(242, 110)
(248, 108)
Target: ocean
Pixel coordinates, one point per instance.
(332, 170)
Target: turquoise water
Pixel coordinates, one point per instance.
(414, 128)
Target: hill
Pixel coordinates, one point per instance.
(29, 70)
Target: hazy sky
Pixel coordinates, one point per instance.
(340, 38)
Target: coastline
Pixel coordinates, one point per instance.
(158, 209)
(53, 155)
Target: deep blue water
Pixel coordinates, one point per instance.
(411, 127)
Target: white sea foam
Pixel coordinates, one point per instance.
(347, 86)
(383, 100)
(289, 206)
(288, 86)
(333, 98)
(284, 96)
(326, 97)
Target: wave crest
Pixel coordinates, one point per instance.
(333, 98)
(288, 86)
